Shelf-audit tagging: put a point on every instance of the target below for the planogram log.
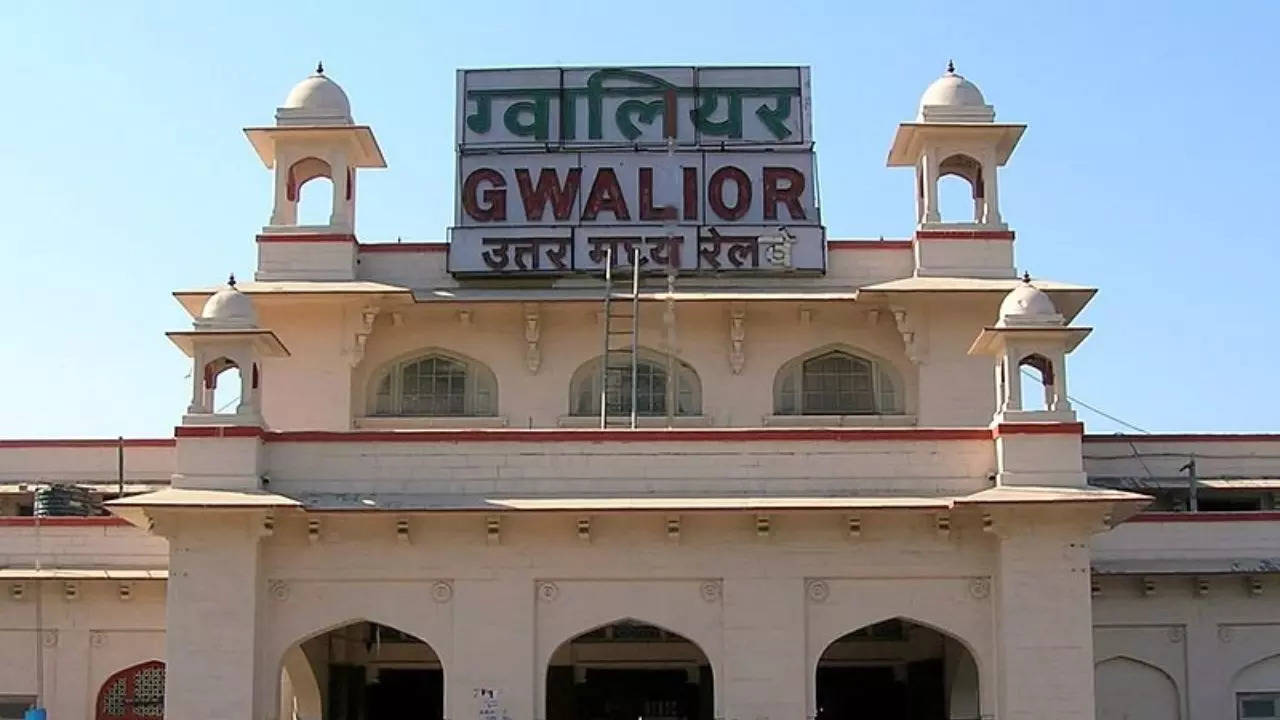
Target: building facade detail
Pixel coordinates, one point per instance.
(831, 498)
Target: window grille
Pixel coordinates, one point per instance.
(436, 385)
(836, 383)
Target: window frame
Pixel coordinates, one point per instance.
(588, 374)
(885, 382)
(478, 380)
(1273, 696)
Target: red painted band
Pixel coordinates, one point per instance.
(1060, 428)
(405, 247)
(1186, 437)
(218, 431)
(307, 237)
(964, 235)
(869, 244)
(95, 521)
(1242, 516)
(595, 435)
(87, 443)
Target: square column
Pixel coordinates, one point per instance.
(765, 669)
(1044, 616)
(211, 614)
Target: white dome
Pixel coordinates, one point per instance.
(228, 308)
(952, 90)
(317, 92)
(1028, 302)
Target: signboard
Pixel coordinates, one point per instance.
(707, 169)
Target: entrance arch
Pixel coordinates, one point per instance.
(897, 668)
(361, 670)
(135, 693)
(629, 669)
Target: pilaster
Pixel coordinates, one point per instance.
(1044, 623)
(212, 614)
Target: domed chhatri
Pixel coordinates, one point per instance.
(1027, 304)
(227, 309)
(952, 98)
(317, 100)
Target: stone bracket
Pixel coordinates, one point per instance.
(532, 336)
(737, 337)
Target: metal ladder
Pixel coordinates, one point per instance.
(621, 336)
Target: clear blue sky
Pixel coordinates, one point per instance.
(1148, 169)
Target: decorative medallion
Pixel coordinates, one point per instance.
(1176, 634)
(710, 590)
(980, 588)
(97, 638)
(279, 589)
(50, 638)
(548, 592)
(441, 591)
(818, 591)
(1224, 634)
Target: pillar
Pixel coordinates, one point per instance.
(765, 667)
(929, 165)
(494, 646)
(211, 614)
(1044, 620)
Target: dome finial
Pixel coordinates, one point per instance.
(320, 67)
(231, 280)
(951, 67)
(1026, 277)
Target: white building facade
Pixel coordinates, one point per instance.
(776, 476)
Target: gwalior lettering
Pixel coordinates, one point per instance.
(676, 169)
(729, 195)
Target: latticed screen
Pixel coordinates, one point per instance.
(837, 384)
(133, 694)
(434, 386)
(651, 392)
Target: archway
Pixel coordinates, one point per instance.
(1128, 689)
(897, 669)
(135, 693)
(629, 670)
(363, 671)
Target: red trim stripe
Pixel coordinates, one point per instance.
(869, 244)
(1186, 437)
(87, 443)
(308, 237)
(405, 247)
(964, 235)
(95, 521)
(217, 431)
(1060, 428)
(1245, 516)
(613, 435)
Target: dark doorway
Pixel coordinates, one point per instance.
(368, 671)
(400, 693)
(629, 671)
(896, 670)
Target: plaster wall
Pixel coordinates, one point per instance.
(317, 387)
(93, 461)
(94, 546)
(762, 610)
(1210, 647)
(631, 469)
(85, 641)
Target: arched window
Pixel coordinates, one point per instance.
(652, 390)
(835, 382)
(133, 694)
(436, 385)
